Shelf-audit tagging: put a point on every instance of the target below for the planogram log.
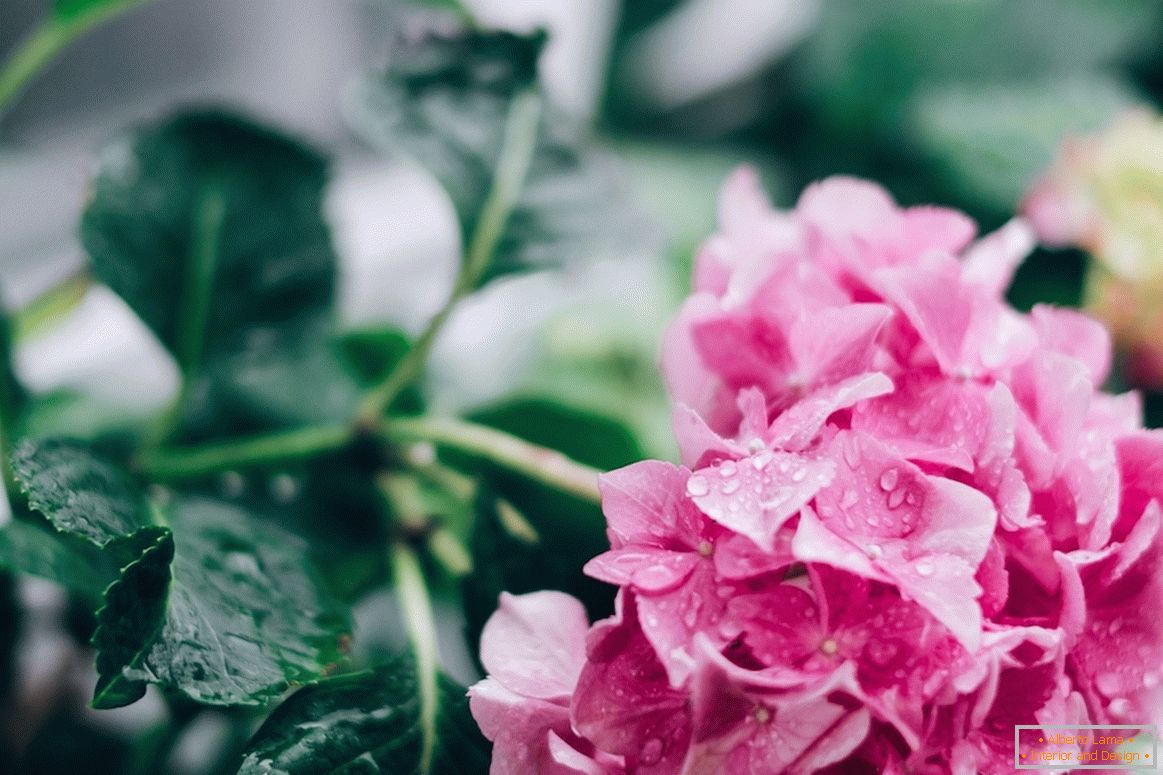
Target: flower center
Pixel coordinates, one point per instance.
(706, 549)
(830, 647)
(761, 714)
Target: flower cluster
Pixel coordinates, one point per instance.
(906, 521)
(1105, 194)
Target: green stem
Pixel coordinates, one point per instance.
(51, 305)
(518, 146)
(193, 462)
(538, 463)
(47, 41)
(207, 234)
(416, 610)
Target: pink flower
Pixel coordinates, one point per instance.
(534, 650)
(906, 519)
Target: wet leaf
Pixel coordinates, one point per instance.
(368, 722)
(80, 491)
(449, 101)
(245, 617)
(208, 225)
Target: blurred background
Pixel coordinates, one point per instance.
(958, 102)
(953, 101)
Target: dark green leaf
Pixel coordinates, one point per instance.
(79, 491)
(368, 723)
(28, 548)
(131, 621)
(568, 531)
(449, 101)
(209, 226)
(371, 353)
(246, 617)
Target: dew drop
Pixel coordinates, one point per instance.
(1108, 683)
(848, 500)
(889, 479)
(924, 568)
(731, 486)
(755, 445)
(875, 552)
(1120, 707)
(799, 474)
(651, 752)
(697, 485)
(231, 484)
(1116, 625)
(896, 498)
(760, 461)
(727, 469)
(1151, 680)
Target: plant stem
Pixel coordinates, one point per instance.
(283, 446)
(416, 611)
(518, 146)
(51, 305)
(47, 41)
(541, 464)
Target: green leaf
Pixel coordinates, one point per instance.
(368, 723)
(370, 354)
(994, 140)
(12, 403)
(209, 226)
(526, 189)
(28, 548)
(80, 492)
(566, 532)
(245, 618)
(130, 622)
(290, 377)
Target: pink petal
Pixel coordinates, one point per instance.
(937, 228)
(756, 495)
(836, 343)
(799, 425)
(534, 644)
(644, 504)
(646, 570)
(992, 261)
(1072, 333)
(518, 727)
(624, 702)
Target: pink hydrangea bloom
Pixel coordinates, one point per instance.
(906, 520)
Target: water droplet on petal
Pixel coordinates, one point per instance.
(697, 485)
(727, 469)
(799, 474)
(731, 486)
(848, 500)
(875, 552)
(760, 461)
(896, 498)
(1116, 625)
(651, 752)
(1120, 707)
(755, 445)
(1151, 680)
(1107, 683)
(924, 568)
(889, 479)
